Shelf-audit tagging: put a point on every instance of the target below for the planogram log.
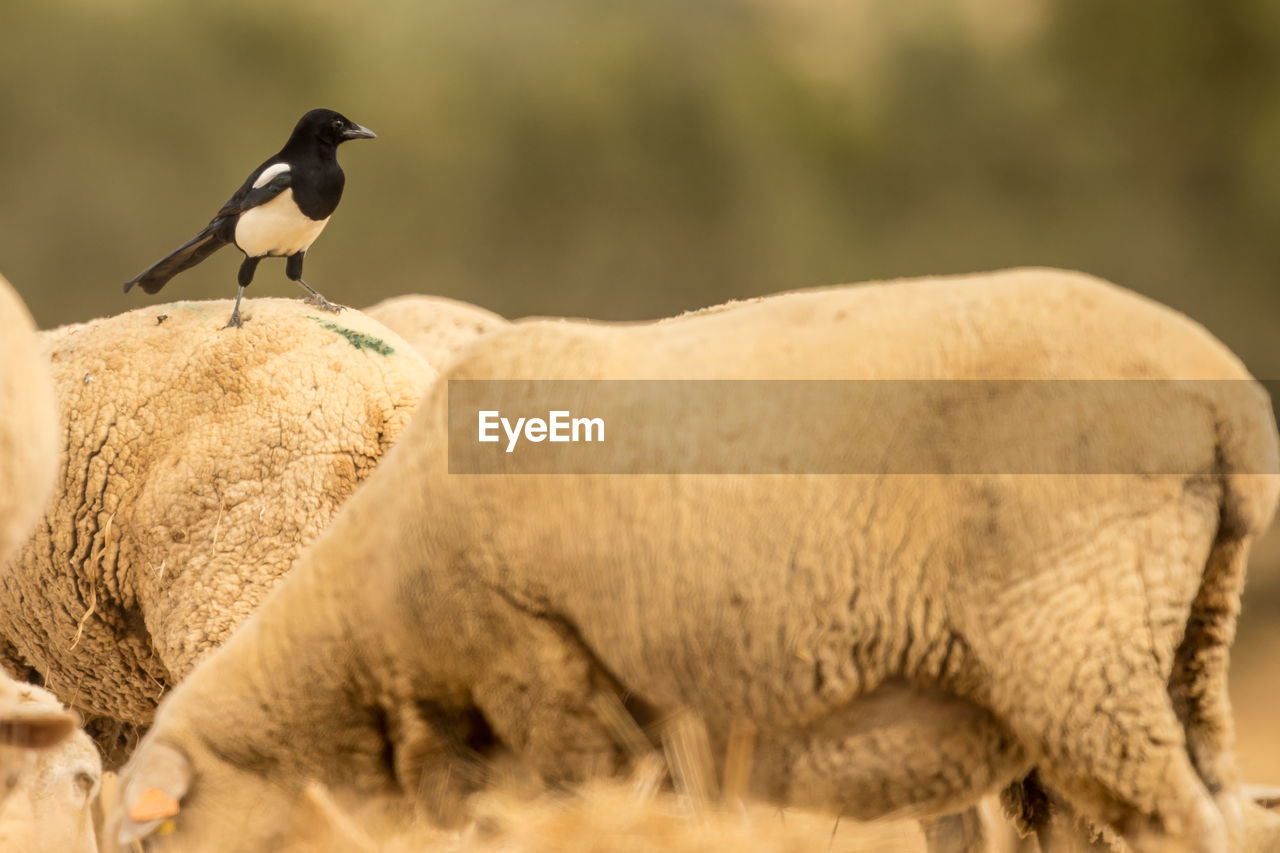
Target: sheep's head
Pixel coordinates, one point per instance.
(50, 773)
(186, 798)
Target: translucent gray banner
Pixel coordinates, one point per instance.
(1141, 427)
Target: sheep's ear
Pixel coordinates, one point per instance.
(158, 780)
(35, 726)
(1267, 796)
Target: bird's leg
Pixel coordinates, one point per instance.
(244, 278)
(235, 312)
(293, 269)
(318, 300)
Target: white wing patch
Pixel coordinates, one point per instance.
(269, 173)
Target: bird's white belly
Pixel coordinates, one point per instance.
(277, 228)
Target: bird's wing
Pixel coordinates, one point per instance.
(184, 257)
(266, 182)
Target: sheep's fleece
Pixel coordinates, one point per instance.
(28, 424)
(436, 326)
(903, 644)
(197, 462)
(49, 770)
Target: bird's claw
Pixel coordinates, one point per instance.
(324, 304)
(234, 321)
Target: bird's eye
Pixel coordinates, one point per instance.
(337, 123)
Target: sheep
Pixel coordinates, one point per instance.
(196, 464)
(49, 770)
(28, 417)
(904, 643)
(437, 327)
(51, 774)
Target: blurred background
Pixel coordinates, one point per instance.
(625, 160)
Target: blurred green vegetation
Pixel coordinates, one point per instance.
(630, 160)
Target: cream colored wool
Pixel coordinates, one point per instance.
(904, 645)
(437, 327)
(197, 463)
(46, 792)
(49, 770)
(28, 424)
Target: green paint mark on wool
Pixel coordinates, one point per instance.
(359, 340)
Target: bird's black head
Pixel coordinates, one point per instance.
(329, 127)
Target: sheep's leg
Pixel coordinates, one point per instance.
(436, 761)
(1198, 684)
(955, 833)
(541, 696)
(1042, 814)
(530, 708)
(905, 751)
(1124, 761)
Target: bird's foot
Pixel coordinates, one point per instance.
(235, 320)
(322, 303)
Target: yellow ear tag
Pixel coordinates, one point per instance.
(165, 828)
(154, 804)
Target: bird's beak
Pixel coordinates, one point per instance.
(358, 132)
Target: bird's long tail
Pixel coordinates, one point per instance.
(184, 257)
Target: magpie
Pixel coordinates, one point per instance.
(278, 211)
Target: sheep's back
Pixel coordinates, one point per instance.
(436, 326)
(909, 563)
(197, 462)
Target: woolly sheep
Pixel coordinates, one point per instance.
(197, 462)
(437, 327)
(28, 424)
(903, 644)
(49, 770)
(51, 774)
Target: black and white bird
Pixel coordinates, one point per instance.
(278, 212)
